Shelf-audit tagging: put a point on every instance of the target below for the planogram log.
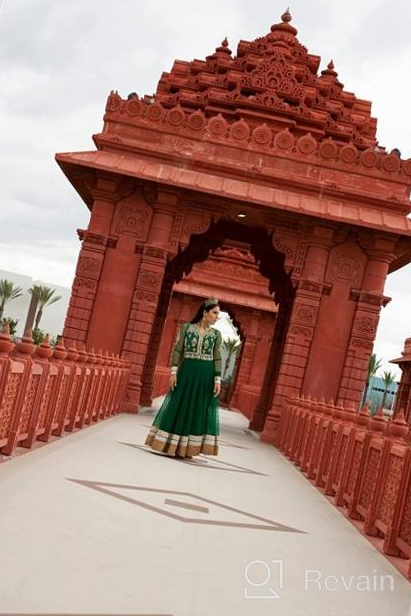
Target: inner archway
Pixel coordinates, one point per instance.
(270, 263)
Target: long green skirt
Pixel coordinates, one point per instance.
(187, 423)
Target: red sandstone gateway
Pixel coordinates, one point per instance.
(260, 152)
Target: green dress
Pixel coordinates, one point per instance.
(187, 423)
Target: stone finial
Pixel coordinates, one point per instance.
(350, 413)
(339, 411)
(60, 351)
(72, 353)
(330, 73)
(398, 427)
(99, 358)
(91, 356)
(330, 70)
(286, 16)
(81, 350)
(364, 416)
(44, 350)
(224, 48)
(284, 27)
(26, 345)
(106, 358)
(407, 348)
(6, 343)
(378, 422)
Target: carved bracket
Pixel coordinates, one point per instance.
(367, 297)
(194, 223)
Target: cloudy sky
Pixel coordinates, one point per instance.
(59, 59)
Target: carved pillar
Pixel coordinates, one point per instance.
(301, 328)
(368, 300)
(264, 340)
(146, 294)
(403, 397)
(146, 397)
(232, 392)
(404, 393)
(171, 326)
(250, 329)
(272, 366)
(90, 261)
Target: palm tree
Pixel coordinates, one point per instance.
(44, 296)
(232, 346)
(388, 378)
(7, 292)
(373, 366)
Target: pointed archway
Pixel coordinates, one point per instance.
(271, 265)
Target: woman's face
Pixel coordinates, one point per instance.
(213, 314)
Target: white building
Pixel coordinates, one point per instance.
(52, 321)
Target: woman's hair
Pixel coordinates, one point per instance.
(207, 304)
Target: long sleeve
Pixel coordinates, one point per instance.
(178, 349)
(217, 355)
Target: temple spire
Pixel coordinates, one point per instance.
(224, 47)
(331, 74)
(284, 28)
(330, 70)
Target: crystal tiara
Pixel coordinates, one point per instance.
(210, 301)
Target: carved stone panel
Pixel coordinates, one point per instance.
(133, 217)
(149, 280)
(346, 264)
(89, 266)
(366, 326)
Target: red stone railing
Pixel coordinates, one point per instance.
(45, 392)
(361, 462)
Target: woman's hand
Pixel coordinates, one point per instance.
(173, 380)
(217, 388)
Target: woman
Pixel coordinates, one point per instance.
(187, 422)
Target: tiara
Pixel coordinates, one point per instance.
(210, 301)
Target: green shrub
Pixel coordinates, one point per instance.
(12, 324)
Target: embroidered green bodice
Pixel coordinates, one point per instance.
(191, 343)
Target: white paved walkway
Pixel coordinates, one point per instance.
(97, 523)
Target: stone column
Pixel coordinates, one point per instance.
(146, 294)
(232, 391)
(250, 331)
(146, 397)
(403, 397)
(244, 397)
(169, 333)
(369, 301)
(90, 261)
(264, 340)
(272, 366)
(300, 332)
